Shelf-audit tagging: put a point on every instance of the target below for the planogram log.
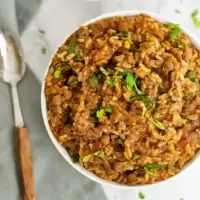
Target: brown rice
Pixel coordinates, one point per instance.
(123, 99)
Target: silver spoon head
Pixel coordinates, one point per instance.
(12, 66)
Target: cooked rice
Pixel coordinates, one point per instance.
(107, 126)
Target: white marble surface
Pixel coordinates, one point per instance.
(59, 17)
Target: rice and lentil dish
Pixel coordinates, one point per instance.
(123, 99)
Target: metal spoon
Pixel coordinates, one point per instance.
(12, 69)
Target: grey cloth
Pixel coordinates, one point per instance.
(54, 178)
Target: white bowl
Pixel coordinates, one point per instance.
(64, 153)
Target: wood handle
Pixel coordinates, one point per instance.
(25, 164)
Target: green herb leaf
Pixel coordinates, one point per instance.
(175, 33)
(122, 73)
(120, 141)
(157, 123)
(195, 18)
(94, 111)
(72, 48)
(94, 80)
(130, 80)
(100, 113)
(58, 72)
(176, 30)
(148, 171)
(179, 44)
(141, 196)
(147, 100)
(144, 110)
(99, 154)
(104, 71)
(136, 156)
(74, 82)
(108, 110)
(87, 158)
(193, 78)
(163, 89)
(125, 34)
(111, 82)
(74, 157)
(131, 83)
(151, 166)
(78, 56)
(44, 50)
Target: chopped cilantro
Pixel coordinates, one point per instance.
(122, 73)
(120, 141)
(158, 124)
(147, 100)
(78, 56)
(94, 80)
(130, 80)
(179, 44)
(73, 49)
(141, 196)
(131, 83)
(125, 34)
(148, 171)
(99, 154)
(144, 110)
(193, 78)
(151, 166)
(74, 157)
(104, 71)
(163, 89)
(58, 72)
(195, 18)
(108, 110)
(94, 111)
(176, 30)
(44, 50)
(136, 156)
(111, 81)
(100, 113)
(87, 158)
(74, 82)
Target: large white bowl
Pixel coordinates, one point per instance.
(63, 152)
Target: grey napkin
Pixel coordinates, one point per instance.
(54, 178)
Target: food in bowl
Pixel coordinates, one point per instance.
(122, 98)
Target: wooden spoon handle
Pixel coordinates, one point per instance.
(25, 164)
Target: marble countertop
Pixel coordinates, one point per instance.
(58, 18)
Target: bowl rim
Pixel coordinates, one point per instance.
(63, 152)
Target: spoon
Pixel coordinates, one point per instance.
(12, 69)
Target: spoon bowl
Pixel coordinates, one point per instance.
(12, 67)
